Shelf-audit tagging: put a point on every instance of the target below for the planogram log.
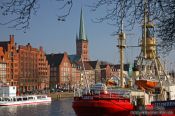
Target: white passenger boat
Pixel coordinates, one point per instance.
(19, 100)
(8, 97)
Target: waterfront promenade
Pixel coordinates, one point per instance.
(59, 95)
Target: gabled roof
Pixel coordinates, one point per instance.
(4, 44)
(93, 63)
(87, 66)
(54, 59)
(74, 58)
(1, 51)
(103, 66)
(126, 66)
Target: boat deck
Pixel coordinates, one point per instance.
(18, 100)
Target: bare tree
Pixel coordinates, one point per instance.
(166, 26)
(162, 12)
(19, 12)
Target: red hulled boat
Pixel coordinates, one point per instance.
(104, 104)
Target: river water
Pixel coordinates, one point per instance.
(62, 107)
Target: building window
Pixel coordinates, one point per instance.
(11, 54)
(64, 73)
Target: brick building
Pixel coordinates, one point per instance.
(97, 70)
(60, 70)
(76, 75)
(88, 74)
(115, 68)
(34, 71)
(26, 67)
(43, 70)
(3, 65)
(105, 72)
(11, 58)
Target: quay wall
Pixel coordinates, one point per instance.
(59, 95)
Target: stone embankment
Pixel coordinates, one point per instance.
(59, 95)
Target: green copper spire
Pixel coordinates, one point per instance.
(82, 34)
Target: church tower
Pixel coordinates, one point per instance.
(82, 41)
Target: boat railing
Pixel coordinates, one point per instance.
(20, 98)
(113, 95)
(78, 92)
(102, 94)
(41, 97)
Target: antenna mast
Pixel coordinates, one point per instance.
(121, 45)
(144, 24)
(148, 61)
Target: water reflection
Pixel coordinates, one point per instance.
(61, 107)
(8, 111)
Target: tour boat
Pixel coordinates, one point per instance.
(20, 100)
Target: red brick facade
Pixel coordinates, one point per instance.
(65, 71)
(30, 69)
(105, 72)
(3, 65)
(82, 49)
(26, 68)
(76, 75)
(43, 70)
(33, 69)
(60, 70)
(12, 60)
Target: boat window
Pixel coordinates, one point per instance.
(2, 99)
(6, 99)
(14, 99)
(19, 99)
(43, 96)
(38, 97)
(25, 98)
(30, 98)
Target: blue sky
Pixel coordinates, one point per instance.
(57, 37)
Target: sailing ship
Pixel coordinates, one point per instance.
(152, 91)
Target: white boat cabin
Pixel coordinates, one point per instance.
(7, 91)
(23, 98)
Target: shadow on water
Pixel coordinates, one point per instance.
(62, 107)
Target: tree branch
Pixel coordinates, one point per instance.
(18, 12)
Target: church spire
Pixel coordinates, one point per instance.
(82, 49)
(82, 35)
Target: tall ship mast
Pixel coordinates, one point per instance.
(121, 45)
(151, 72)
